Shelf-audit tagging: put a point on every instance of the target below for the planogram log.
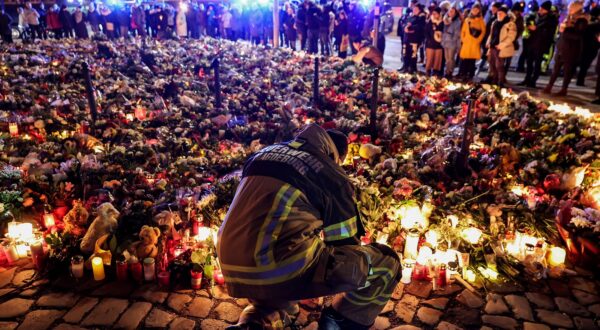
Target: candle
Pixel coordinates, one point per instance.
(218, 277)
(557, 256)
(2, 254)
(37, 254)
(441, 276)
(196, 279)
(382, 238)
(129, 117)
(164, 278)
(470, 276)
(149, 269)
(98, 268)
(471, 235)
(13, 129)
(13, 229)
(11, 254)
(203, 234)
(140, 113)
(49, 220)
(412, 244)
(432, 237)
(136, 269)
(179, 249)
(122, 269)
(77, 266)
(22, 250)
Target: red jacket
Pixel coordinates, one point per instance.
(52, 21)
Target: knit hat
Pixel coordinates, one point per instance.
(518, 6)
(503, 8)
(497, 4)
(437, 10)
(340, 140)
(547, 5)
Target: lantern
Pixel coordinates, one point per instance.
(13, 129)
(557, 256)
(140, 113)
(471, 235)
(203, 234)
(411, 247)
(49, 220)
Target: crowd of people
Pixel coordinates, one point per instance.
(444, 37)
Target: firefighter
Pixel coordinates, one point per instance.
(292, 232)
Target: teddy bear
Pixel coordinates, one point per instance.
(167, 222)
(147, 247)
(104, 223)
(76, 219)
(369, 151)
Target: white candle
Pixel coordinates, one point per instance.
(149, 269)
(11, 254)
(412, 244)
(557, 256)
(77, 266)
(22, 250)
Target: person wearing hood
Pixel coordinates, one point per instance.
(569, 47)
(414, 33)
(433, 43)
(517, 11)
(293, 232)
(451, 39)
(500, 45)
(540, 35)
(471, 35)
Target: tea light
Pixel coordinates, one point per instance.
(129, 117)
(149, 269)
(11, 254)
(13, 129)
(412, 244)
(203, 234)
(98, 268)
(22, 250)
(49, 220)
(470, 276)
(557, 256)
(77, 266)
(218, 277)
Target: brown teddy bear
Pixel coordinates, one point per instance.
(146, 247)
(76, 219)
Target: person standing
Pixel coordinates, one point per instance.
(414, 33)
(5, 30)
(226, 20)
(517, 12)
(42, 11)
(212, 22)
(529, 21)
(301, 24)
(541, 35)
(201, 20)
(94, 18)
(597, 101)
(340, 31)
(324, 37)
(289, 23)
(66, 20)
(138, 19)
(313, 24)
(32, 19)
(471, 35)
(181, 21)
(53, 21)
(451, 39)
(108, 22)
(356, 19)
(500, 45)
(491, 17)
(590, 47)
(190, 20)
(81, 31)
(123, 15)
(569, 47)
(433, 43)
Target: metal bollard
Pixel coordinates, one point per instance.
(374, 101)
(316, 83)
(89, 89)
(215, 66)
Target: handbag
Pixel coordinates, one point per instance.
(475, 33)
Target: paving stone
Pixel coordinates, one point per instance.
(502, 322)
(559, 288)
(199, 307)
(406, 308)
(495, 304)
(535, 326)
(585, 298)
(58, 299)
(134, 315)
(7, 291)
(570, 307)
(117, 289)
(8, 325)
(470, 299)
(595, 309)
(469, 318)
(7, 276)
(23, 277)
(213, 324)
(151, 293)
(40, 319)
(554, 318)
(78, 311)
(505, 287)
(67, 326)
(106, 312)
(177, 301)
(158, 319)
(181, 323)
(447, 326)
(203, 293)
(520, 307)
(220, 292)
(15, 307)
(438, 303)
(398, 291)
(485, 328)
(39, 283)
(406, 327)
(448, 290)
(228, 312)
(381, 323)
(428, 315)
(29, 292)
(242, 302)
(388, 307)
(584, 323)
(420, 289)
(583, 284)
(540, 300)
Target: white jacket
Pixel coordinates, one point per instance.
(181, 24)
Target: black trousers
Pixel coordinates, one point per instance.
(410, 56)
(568, 66)
(7, 38)
(586, 61)
(534, 68)
(467, 68)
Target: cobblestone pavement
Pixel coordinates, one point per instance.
(29, 302)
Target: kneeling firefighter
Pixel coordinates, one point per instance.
(292, 232)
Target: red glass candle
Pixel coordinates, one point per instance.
(420, 272)
(136, 271)
(122, 268)
(441, 278)
(218, 277)
(196, 279)
(164, 279)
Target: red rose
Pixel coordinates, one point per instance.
(552, 181)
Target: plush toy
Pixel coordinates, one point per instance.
(76, 219)
(100, 251)
(105, 222)
(369, 151)
(166, 221)
(146, 247)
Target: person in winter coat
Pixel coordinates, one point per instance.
(356, 19)
(53, 21)
(123, 20)
(569, 47)
(212, 22)
(433, 42)
(324, 37)
(255, 26)
(5, 30)
(301, 24)
(66, 20)
(451, 39)
(81, 31)
(517, 12)
(340, 32)
(590, 47)
(414, 33)
(138, 19)
(490, 18)
(190, 20)
(43, 13)
(226, 21)
(540, 31)
(32, 19)
(313, 24)
(94, 18)
(109, 22)
(292, 232)
(500, 45)
(181, 27)
(289, 29)
(471, 34)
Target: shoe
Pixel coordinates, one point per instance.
(547, 90)
(332, 320)
(596, 101)
(562, 92)
(523, 83)
(580, 84)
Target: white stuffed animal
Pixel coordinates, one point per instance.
(369, 151)
(105, 222)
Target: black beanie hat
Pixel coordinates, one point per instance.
(547, 5)
(503, 8)
(340, 140)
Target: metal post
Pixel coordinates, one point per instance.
(465, 145)
(316, 82)
(376, 12)
(276, 23)
(89, 89)
(215, 65)
(374, 101)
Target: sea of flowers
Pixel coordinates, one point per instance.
(163, 154)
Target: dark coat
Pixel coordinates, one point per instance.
(570, 42)
(416, 31)
(66, 20)
(5, 21)
(540, 40)
(430, 30)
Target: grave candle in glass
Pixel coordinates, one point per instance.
(164, 278)
(196, 279)
(98, 268)
(122, 269)
(77, 266)
(37, 254)
(149, 269)
(136, 269)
